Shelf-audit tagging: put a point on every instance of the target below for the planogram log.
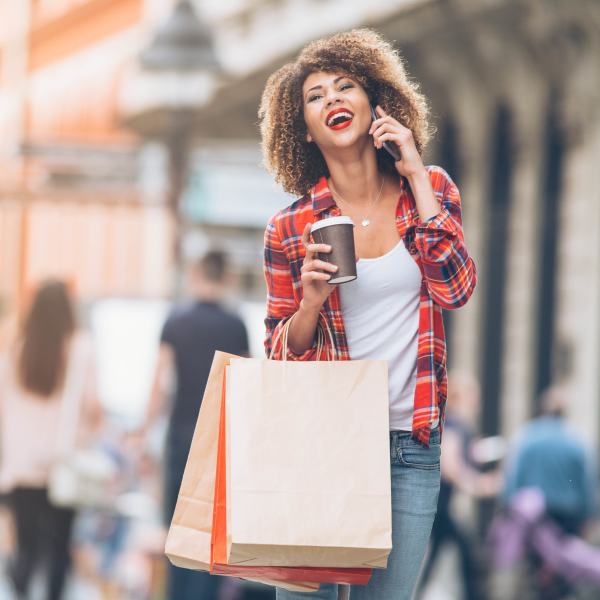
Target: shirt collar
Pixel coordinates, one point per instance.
(322, 198)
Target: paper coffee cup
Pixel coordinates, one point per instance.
(337, 232)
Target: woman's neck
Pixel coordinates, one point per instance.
(355, 177)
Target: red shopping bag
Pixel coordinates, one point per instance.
(219, 566)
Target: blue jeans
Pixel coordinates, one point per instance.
(415, 489)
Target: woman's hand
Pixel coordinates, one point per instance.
(388, 129)
(315, 273)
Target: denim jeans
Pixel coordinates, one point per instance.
(415, 489)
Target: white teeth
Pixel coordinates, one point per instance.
(345, 114)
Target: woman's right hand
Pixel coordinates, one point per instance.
(315, 273)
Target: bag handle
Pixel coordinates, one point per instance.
(283, 335)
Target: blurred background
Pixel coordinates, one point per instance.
(129, 147)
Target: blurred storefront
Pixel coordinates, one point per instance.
(514, 86)
(70, 204)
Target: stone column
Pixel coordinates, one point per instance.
(470, 106)
(578, 302)
(527, 101)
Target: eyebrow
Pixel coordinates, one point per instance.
(316, 87)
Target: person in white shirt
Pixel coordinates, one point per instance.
(32, 400)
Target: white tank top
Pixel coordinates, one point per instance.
(381, 318)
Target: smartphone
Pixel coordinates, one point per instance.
(389, 146)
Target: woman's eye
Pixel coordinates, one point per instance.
(346, 86)
(312, 98)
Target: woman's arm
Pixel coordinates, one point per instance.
(281, 303)
(450, 272)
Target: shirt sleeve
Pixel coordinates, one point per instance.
(281, 303)
(450, 272)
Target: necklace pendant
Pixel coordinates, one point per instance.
(365, 222)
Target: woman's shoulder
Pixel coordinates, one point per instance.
(289, 222)
(291, 211)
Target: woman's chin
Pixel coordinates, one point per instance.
(348, 144)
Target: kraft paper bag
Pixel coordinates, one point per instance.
(189, 536)
(308, 463)
(188, 543)
(281, 574)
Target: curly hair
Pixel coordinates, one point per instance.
(362, 55)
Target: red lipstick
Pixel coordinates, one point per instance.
(339, 118)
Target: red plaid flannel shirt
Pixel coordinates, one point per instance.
(437, 246)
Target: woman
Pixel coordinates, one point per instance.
(32, 401)
(321, 143)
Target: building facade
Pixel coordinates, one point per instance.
(70, 203)
(515, 90)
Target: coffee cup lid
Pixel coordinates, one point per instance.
(342, 220)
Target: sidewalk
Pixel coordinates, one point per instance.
(77, 590)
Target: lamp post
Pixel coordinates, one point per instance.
(176, 76)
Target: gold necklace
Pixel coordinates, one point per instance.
(366, 221)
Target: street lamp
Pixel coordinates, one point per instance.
(176, 76)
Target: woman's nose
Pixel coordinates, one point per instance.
(332, 97)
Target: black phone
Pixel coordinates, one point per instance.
(389, 146)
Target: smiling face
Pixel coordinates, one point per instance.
(336, 110)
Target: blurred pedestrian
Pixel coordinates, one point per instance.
(189, 339)
(33, 400)
(550, 460)
(343, 129)
(551, 457)
(460, 470)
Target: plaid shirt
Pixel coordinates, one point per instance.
(437, 246)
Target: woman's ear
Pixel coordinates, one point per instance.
(308, 138)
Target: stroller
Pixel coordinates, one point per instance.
(557, 566)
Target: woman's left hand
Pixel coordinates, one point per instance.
(388, 129)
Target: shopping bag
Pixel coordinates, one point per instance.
(282, 574)
(188, 542)
(189, 537)
(308, 470)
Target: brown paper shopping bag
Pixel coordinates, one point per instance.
(188, 543)
(188, 540)
(308, 463)
(281, 574)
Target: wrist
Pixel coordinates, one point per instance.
(418, 176)
(309, 308)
